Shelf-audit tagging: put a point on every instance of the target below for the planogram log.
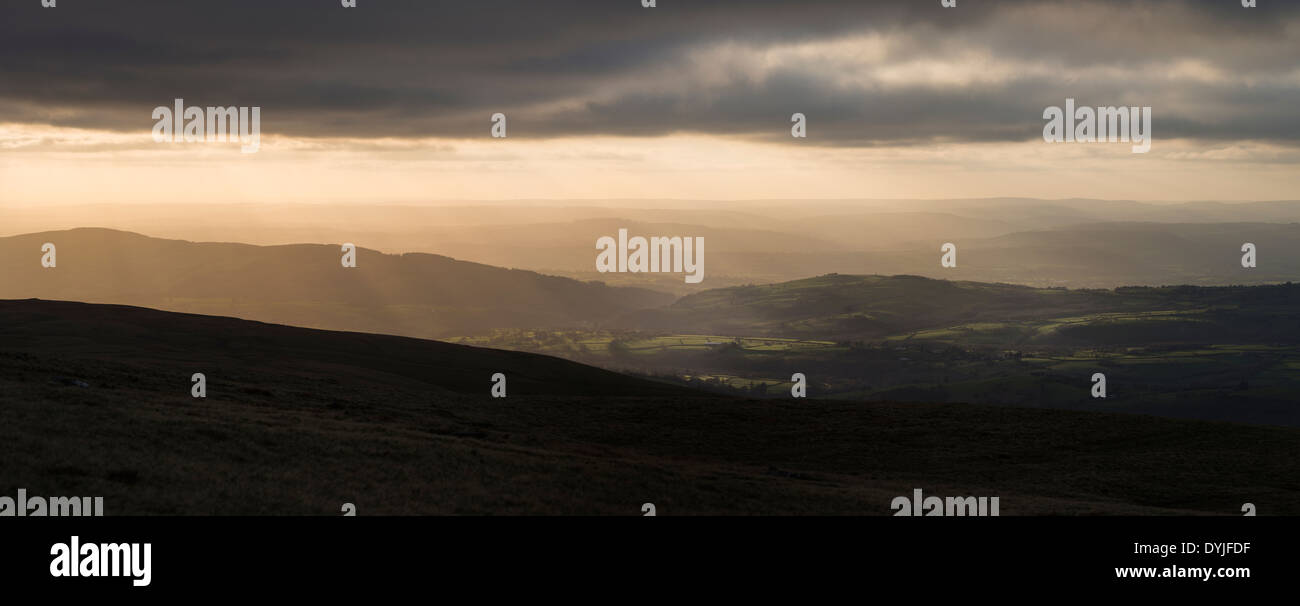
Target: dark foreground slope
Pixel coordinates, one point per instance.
(215, 345)
(94, 400)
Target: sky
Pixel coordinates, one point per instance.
(392, 101)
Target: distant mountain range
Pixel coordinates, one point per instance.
(1077, 243)
(306, 285)
(432, 296)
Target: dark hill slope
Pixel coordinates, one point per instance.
(209, 344)
(95, 400)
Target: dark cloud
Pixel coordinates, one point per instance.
(408, 68)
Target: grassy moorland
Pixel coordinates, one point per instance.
(95, 400)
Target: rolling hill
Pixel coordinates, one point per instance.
(1076, 243)
(844, 307)
(305, 284)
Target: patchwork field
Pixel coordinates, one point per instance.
(1225, 353)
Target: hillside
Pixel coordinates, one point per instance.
(78, 331)
(842, 308)
(94, 400)
(415, 294)
(1072, 243)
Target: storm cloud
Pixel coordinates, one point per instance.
(865, 73)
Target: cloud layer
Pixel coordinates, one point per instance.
(866, 74)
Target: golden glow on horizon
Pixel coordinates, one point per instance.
(46, 165)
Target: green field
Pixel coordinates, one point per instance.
(1190, 354)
